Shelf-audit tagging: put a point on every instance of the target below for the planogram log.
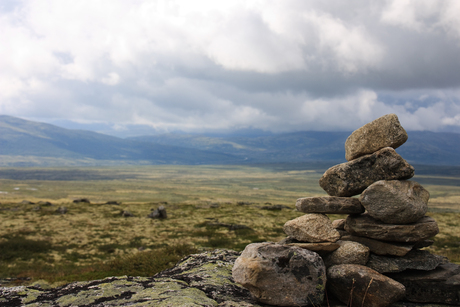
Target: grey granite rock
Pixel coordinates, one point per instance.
(351, 178)
(395, 201)
(380, 247)
(385, 131)
(349, 252)
(331, 205)
(357, 286)
(281, 275)
(313, 228)
(366, 226)
(414, 260)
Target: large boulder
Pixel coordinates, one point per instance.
(395, 201)
(414, 260)
(281, 275)
(385, 131)
(312, 228)
(366, 226)
(329, 204)
(357, 285)
(351, 178)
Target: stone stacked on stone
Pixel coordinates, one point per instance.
(364, 253)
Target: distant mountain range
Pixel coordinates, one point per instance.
(27, 143)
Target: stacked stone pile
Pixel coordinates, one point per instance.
(371, 258)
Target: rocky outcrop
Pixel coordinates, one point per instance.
(198, 280)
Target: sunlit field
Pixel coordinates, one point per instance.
(207, 207)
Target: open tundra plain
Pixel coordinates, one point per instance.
(207, 207)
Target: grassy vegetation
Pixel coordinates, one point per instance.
(208, 207)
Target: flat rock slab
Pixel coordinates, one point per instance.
(395, 201)
(366, 226)
(281, 275)
(351, 178)
(311, 228)
(357, 286)
(380, 247)
(385, 131)
(203, 279)
(329, 204)
(441, 285)
(414, 260)
(349, 252)
(317, 247)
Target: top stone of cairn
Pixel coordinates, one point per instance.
(385, 131)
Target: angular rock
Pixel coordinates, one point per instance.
(414, 260)
(311, 228)
(351, 178)
(380, 247)
(366, 226)
(348, 253)
(159, 213)
(339, 224)
(395, 201)
(331, 204)
(281, 275)
(441, 285)
(385, 131)
(317, 247)
(357, 285)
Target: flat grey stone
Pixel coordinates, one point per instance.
(366, 226)
(317, 247)
(351, 178)
(395, 201)
(281, 275)
(414, 260)
(385, 131)
(380, 247)
(329, 204)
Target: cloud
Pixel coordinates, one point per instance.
(204, 65)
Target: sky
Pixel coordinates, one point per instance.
(201, 66)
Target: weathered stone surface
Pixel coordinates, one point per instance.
(357, 285)
(395, 201)
(159, 213)
(339, 224)
(351, 178)
(317, 247)
(415, 260)
(366, 226)
(198, 280)
(385, 131)
(331, 204)
(348, 253)
(380, 247)
(311, 228)
(281, 275)
(441, 285)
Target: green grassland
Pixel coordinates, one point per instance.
(208, 207)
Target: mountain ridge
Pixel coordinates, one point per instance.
(38, 144)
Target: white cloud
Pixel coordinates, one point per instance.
(194, 65)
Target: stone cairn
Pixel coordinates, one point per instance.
(371, 258)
